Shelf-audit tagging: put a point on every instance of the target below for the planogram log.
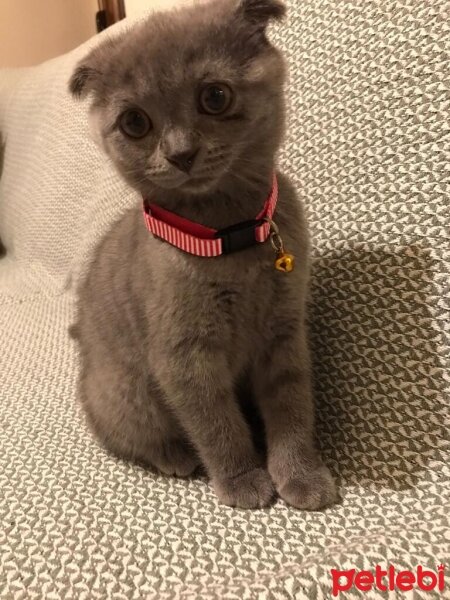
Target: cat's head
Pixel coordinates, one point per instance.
(188, 96)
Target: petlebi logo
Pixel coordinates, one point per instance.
(389, 579)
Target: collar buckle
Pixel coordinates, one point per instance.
(239, 236)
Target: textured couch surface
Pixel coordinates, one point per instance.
(369, 149)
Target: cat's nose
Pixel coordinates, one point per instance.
(183, 160)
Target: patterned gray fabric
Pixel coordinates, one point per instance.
(368, 146)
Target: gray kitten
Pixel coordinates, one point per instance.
(189, 107)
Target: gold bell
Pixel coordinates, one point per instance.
(284, 262)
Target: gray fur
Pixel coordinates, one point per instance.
(164, 336)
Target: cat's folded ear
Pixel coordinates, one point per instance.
(87, 75)
(80, 83)
(260, 12)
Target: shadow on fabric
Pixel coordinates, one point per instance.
(377, 375)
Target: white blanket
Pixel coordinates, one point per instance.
(368, 147)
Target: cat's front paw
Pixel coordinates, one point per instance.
(253, 489)
(311, 491)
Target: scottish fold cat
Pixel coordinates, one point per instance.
(189, 107)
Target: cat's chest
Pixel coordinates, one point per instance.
(225, 314)
(235, 301)
(214, 306)
(223, 300)
(238, 303)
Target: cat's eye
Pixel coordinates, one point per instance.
(135, 123)
(215, 98)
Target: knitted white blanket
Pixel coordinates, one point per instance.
(369, 147)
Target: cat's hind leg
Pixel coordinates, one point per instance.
(126, 411)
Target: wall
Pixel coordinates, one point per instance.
(32, 31)
(136, 7)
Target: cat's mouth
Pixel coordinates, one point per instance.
(208, 170)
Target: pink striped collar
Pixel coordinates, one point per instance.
(199, 240)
